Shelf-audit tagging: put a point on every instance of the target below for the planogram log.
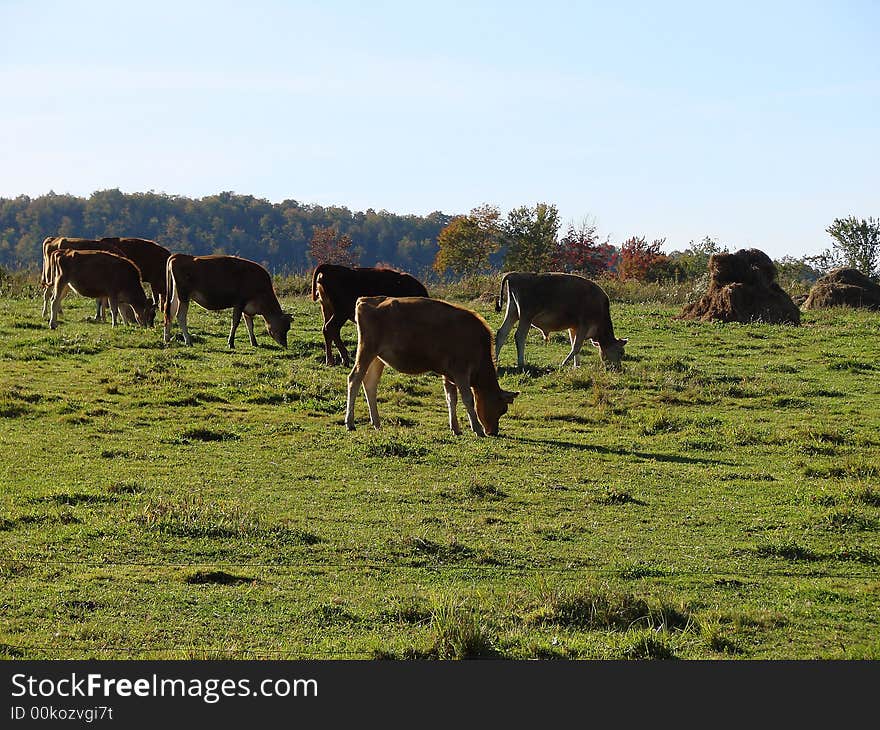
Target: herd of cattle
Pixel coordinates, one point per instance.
(397, 322)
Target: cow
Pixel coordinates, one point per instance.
(339, 287)
(552, 302)
(98, 274)
(55, 243)
(150, 258)
(417, 335)
(223, 282)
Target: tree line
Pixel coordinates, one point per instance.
(276, 235)
(291, 237)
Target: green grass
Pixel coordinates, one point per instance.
(718, 498)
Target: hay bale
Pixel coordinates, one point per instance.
(743, 288)
(844, 288)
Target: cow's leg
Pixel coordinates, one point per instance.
(236, 318)
(467, 397)
(172, 313)
(577, 340)
(371, 385)
(451, 401)
(355, 378)
(182, 310)
(99, 309)
(59, 288)
(127, 313)
(331, 331)
(510, 318)
(114, 310)
(47, 296)
(333, 334)
(522, 331)
(249, 323)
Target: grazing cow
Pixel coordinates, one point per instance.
(417, 335)
(339, 287)
(150, 258)
(553, 302)
(56, 243)
(98, 274)
(221, 282)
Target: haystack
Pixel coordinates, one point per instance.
(743, 288)
(844, 288)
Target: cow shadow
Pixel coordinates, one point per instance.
(599, 449)
(531, 371)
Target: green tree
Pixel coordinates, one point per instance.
(530, 233)
(468, 241)
(856, 244)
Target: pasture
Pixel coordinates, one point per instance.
(718, 498)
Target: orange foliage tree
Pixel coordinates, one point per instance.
(329, 247)
(641, 260)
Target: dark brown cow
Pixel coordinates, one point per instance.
(98, 274)
(223, 282)
(553, 302)
(339, 287)
(418, 335)
(150, 258)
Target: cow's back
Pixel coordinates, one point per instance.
(566, 298)
(220, 281)
(149, 256)
(418, 334)
(344, 286)
(95, 273)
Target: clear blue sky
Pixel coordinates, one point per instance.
(755, 123)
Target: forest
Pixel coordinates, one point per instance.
(277, 235)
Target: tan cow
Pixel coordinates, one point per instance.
(98, 274)
(417, 335)
(223, 282)
(553, 302)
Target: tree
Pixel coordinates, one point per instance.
(531, 237)
(641, 260)
(328, 247)
(693, 262)
(856, 244)
(582, 251)
(467, 242)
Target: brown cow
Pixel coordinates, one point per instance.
(81, 244)
(221, 282)
(339, 287)
(417, 335)
(150, 258)
(553, 302)
(98, 274)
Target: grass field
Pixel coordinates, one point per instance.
(719, 498)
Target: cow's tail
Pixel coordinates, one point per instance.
(317, 272)
(500, 299)
(169, 292)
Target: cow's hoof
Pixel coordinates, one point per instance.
(349, 427)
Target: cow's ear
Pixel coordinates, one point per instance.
(623, 341)
(508, 396)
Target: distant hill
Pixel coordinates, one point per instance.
(275, 234)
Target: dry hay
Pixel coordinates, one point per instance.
(844, 288)
(743, 288)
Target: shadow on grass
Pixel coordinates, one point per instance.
(650, 456)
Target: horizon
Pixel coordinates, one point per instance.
(754, 126)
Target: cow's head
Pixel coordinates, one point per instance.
(278, 327)
(611, 353)
(491, 406)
